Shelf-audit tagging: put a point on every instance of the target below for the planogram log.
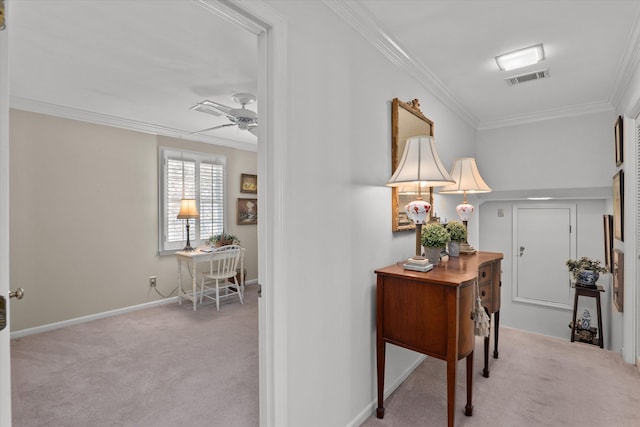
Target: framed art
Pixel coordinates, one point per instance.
(247, 211)
(618, 279)
(618, 137)
(607, 222)
(618, 205)
(248, 183)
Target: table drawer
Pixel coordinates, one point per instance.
(484, 274)
(485, 296)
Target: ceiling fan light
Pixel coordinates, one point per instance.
(520, 58)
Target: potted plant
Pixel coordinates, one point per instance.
(434, 238)
(585, 271)
(223, 239)
(458, 233)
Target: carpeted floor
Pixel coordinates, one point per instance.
(162, 366)
(537, 381)
(168, 366)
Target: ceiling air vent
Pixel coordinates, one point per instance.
(527, 77)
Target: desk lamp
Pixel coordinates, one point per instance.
(468, 180)
(188, 210)
(419, 166)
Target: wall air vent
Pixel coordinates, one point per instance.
(542, 74)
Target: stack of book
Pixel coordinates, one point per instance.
(418, 263)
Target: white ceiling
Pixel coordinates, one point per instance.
(137, 63)
(142, 64)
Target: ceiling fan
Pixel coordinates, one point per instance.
(243, 118)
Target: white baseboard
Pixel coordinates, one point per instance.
(51, 326)
(368, 410)
(57, 325)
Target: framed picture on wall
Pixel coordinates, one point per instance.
(618, 279)
(607, 222)
(618, 137)
(618, 205)
(248, 183)
(247, 211)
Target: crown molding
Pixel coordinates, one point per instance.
(56, 110)
(356, 14)
(628, 64)
(556, 113)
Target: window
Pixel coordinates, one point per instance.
(190, 175)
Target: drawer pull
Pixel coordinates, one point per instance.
(484, 274)
(483, 293)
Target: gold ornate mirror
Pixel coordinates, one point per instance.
(406, 121)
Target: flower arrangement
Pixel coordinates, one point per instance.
(457, 231)
(584, 264)
(222, 239)
(434, 235)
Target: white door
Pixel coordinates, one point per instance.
(5, 354)
(543, 239)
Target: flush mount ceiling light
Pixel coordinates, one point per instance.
(520, 58)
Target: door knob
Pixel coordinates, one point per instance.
(521, 250)
(17, 294)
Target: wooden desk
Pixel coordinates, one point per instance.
(191, 258)
(431, 313)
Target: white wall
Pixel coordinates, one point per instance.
(339, 210)
(497, 235)
(572, 152)
(572, 158)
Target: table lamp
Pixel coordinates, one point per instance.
(467, 180)
(188, 210)
(419, 166)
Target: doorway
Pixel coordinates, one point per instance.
(270, 32)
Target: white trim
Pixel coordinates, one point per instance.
(103, 315)
(628, 64)
(5, 354)
(368, 410)
(557, 113)
(514, 250)
(55, 110)
(356, 14)
(84, 319)
(271, 29)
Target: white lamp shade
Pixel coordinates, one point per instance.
(188, 209)
(467, 178)
(420, 164)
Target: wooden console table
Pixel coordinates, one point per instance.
(431, 313)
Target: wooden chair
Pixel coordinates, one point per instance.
(223, 267)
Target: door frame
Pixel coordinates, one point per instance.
(270, 29)
(514, 248)
(5, 353)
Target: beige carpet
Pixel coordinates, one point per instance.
(162, 366)
(169, 366)
(537, 381)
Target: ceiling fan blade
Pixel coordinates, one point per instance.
(211, 107)
(213, 128)
(253, 130)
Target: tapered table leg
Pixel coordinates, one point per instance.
(468, 409)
